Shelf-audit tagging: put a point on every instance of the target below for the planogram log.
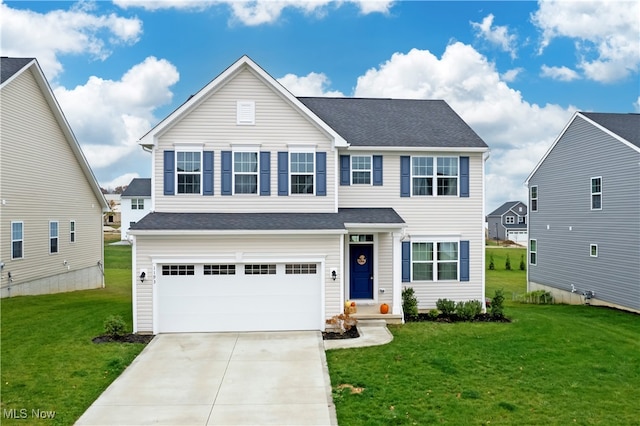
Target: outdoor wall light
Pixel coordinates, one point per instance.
(143, 275)
(334, 275)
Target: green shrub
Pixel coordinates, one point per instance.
(446, 306)
(433, 313)
(468, 310)
(507, 263)
(114, 326)
(538, 297)
(409, 303)
(492, 266)
(497, 304)
(523, 266)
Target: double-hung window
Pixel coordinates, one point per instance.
(361, 170)
(245, 172)
(447, 170)
(137, 204)
(596, 193)
(72, 231)
(302, 171)
(17, 240)
(422, 175)
(533, 252)
(435, 261)
(53, 237)
(533, 193)
(189, 172)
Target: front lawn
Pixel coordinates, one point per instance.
(48, 360)
(554, 364)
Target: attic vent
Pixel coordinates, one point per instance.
(246, 112)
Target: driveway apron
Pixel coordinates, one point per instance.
(276, 378)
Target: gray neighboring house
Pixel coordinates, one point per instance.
(509, 222)
(584, 220)
(50, 203)
(135, 203)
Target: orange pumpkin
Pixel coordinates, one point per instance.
(384, 308)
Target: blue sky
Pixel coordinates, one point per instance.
(515, 71)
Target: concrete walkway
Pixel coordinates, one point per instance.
(372, 333)
(221, 379)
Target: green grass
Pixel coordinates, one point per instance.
(554, 364)
(48, 360)
(512, 281)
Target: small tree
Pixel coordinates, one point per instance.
(409, 303)
(492, 265)
(507, 263)
(497, 304)
(523, 266)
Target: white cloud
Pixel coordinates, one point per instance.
(636, 105)
(63, 32)
(517, 132)
(559, 73)
(259, 12)
(313, 84)
(496, 34)
(108, 117)
(511, 75)
(605, 32)
(122, 180)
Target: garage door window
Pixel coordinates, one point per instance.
(178, 270)
(260, 269)
(219, 269)
(300, 268)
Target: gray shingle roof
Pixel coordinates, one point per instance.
(265, 221)
(395, 122)
(10, 66)
(139, 187)
(503, 208)
(624, 125)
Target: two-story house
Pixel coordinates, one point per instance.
(508, 222)
(51, 205)
(135, 203)
(269, 211)
(584, 216)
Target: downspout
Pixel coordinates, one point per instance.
(485, 157)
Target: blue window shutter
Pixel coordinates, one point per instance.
(207, 173)
(405, 176)
(283, 173)
(464, 176)
(406, 261)
(321, 173)
(265, 173)
(377, 170)
(227, 172)
(464, 260)
(345, 170)
(169, 173)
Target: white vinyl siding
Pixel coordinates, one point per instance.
(34, 201)
(278, 127)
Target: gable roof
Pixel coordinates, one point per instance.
(10, 68)
(395, 122)
(312, 222)
(244, 62)
(505, 208)
(139, 187)
(623, 127)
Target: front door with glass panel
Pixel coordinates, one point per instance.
(361, 271)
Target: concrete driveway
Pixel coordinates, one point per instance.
(277, 378)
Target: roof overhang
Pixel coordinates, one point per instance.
(370, 148)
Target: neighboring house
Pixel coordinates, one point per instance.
(584, 213)
(113, 216)
(508, 222)
(270, 211)
(135, 203)
(50, 203)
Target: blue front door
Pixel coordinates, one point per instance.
(361, 271)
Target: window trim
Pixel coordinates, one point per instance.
(434, 176)
(510, 220)
(135, 204)
(598, 193)
(252, 150)
(426, 176)
(72, 231)
(21, 240)
(312, 174)
(435, 261)
(591, 250)
(52, 238)
(533, 253)
(438, 177)
(353, 170)
(200, 173)
(534, 206)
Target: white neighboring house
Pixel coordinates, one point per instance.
(50, 203)
(135, 203)
(270, 211)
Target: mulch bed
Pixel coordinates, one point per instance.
(127, 338)
(352, 333)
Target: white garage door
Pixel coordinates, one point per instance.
(518, 237)
(256, 297)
